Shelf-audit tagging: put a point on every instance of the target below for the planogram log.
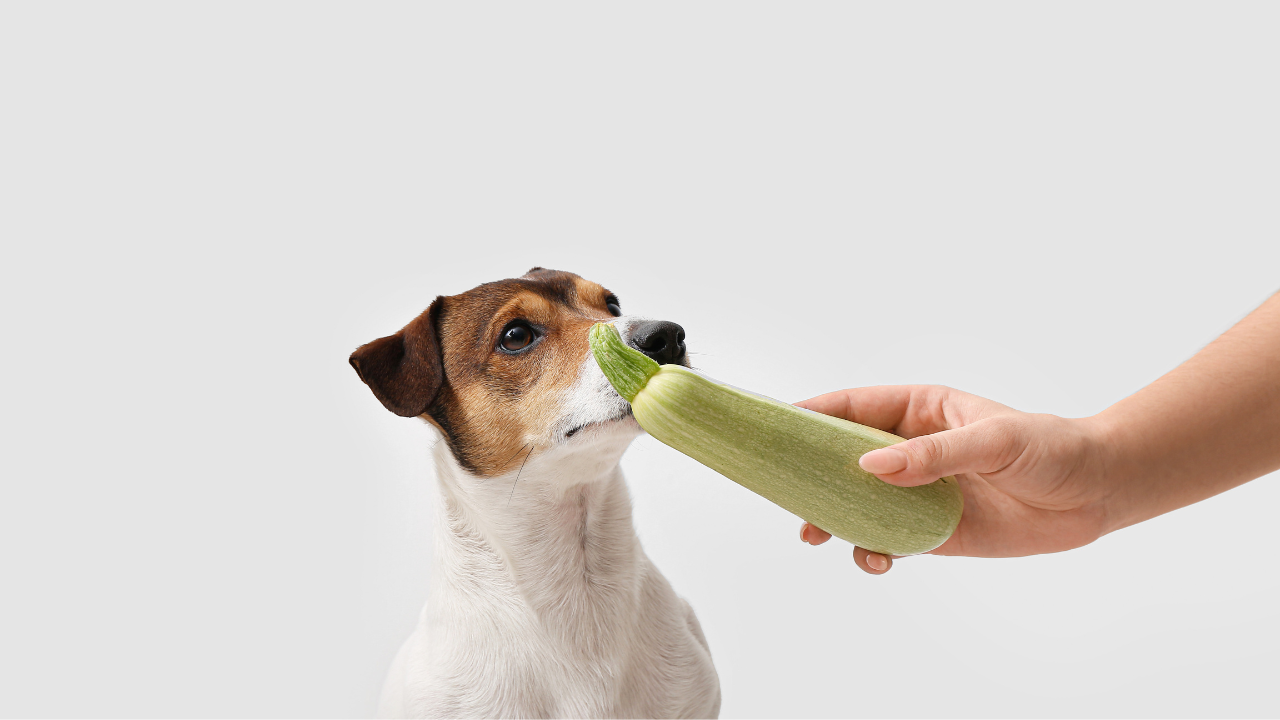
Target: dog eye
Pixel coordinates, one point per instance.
(516, 337)
(614, 307)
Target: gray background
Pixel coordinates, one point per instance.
(205, 208)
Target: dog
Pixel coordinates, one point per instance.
(542, 602)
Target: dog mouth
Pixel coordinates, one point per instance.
(623, 415)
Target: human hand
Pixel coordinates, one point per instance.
(1032, 483)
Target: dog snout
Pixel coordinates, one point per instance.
(661, 340)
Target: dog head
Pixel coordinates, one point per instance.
(505, 370)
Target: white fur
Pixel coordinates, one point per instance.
(543, 603)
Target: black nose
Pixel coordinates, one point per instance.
(661, 340)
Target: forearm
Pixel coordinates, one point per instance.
(1207, 426)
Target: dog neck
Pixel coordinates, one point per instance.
(554, 534)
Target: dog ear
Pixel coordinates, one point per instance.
(404, 370)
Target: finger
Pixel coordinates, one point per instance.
(813, 535)
(986, 446)
(874, 563)
(881, 406)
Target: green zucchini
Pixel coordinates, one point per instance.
(803, 461)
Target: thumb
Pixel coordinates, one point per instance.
(982, 447)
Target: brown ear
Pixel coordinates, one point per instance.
(404, 370)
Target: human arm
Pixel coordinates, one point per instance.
(1041, 483)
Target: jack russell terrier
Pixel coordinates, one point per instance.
(542, 603)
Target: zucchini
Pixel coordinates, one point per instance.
(803, 461)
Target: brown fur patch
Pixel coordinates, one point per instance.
(493, 407)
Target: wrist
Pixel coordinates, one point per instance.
(1109, 471)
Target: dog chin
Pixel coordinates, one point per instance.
(621, 424)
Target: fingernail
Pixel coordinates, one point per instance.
(803, 539)
(883, 461)
(879, 563)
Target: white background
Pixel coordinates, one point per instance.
(205, 208)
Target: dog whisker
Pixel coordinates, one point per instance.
(513, 485)
(514, 455)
